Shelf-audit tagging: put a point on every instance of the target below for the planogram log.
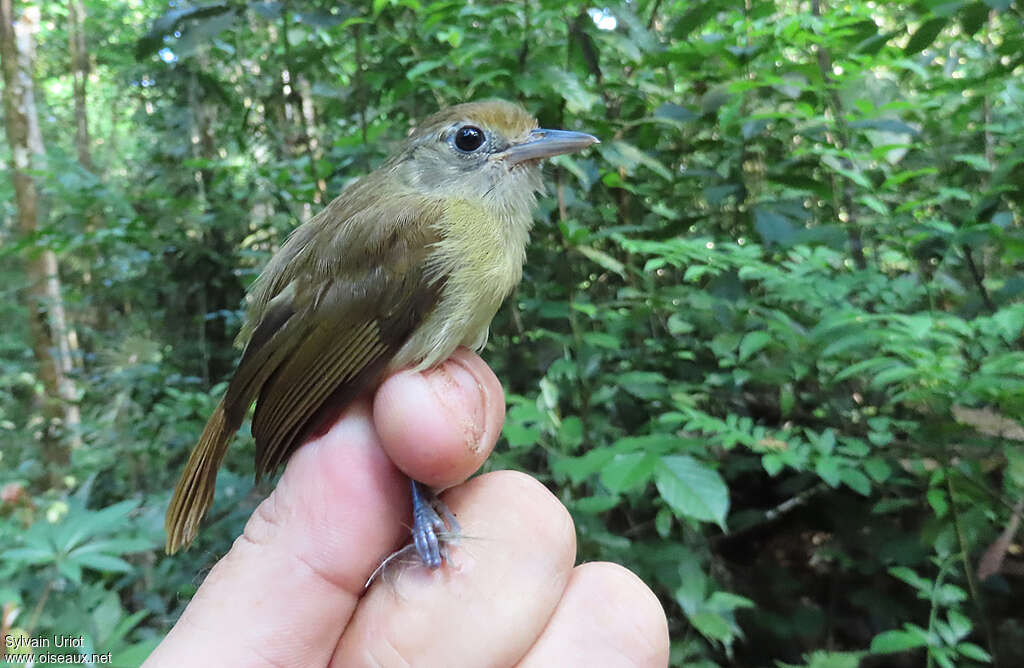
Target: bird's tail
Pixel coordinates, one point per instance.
(194, 493)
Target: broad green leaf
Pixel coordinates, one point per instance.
(711, 625)
(627, 471)
(422, 68)
(972, 651)
(828, 470)
(753, 342)
(856, 481)
(773, 227)
(578, 98)
(896, 641)
(692, 489)
(570, 432)
(675, 112)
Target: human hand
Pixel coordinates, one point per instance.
(291, 590)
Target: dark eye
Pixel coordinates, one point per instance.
(469, 138)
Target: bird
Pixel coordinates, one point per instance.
(407, 264)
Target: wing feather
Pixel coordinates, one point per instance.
(320, 332)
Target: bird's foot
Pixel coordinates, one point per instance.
(434, 529)
(433, 526)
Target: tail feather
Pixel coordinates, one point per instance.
(194, 493)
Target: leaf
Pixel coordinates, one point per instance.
(660, 443)
(874, 44)
(711, 625)
(102, 562)
(663, 522)
(753, 342)
(570, 432)
(979, 162)
(200, 34)
(878, 469)
(772, 463)
(896, 373)
(422, 68)
(695, 17)
(972, 17)
(972, 651)
(626, 155)
(28, 555)
(692, 489)
(71, 571)
(642, 384)
(715, 195)
(937, 500)
(896, 641)
(153, 40)
(925, 35)
(595, 505)
(519, 435)
(893, 125)
(827, 469)
(626, 471)
(578, 100)
(674, 112)
(910, 577)
(578, 469)
(773, 227)
(959, 624)
(603, 259)
(856, 481)
(901, 177)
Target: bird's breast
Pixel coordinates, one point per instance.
(480, 259)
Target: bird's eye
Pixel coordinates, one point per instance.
(469, 138)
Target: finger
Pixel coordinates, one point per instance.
(489, 602)
(285, 591)
(607, 617)
(438, 426)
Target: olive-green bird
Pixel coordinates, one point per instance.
(406, 265)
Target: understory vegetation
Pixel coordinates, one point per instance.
(768, 348)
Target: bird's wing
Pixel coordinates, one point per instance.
(348, 337)
(323, 333)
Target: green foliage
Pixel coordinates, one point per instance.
(768, 347)
(75, 559)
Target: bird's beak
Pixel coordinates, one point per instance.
(543, 143)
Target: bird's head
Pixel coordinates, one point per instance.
(488, 150)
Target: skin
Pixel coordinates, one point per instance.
(290, 591)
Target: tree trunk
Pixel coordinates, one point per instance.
(79, 75)
(309, 134)
(47, 321)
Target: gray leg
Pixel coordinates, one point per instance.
(433, 525)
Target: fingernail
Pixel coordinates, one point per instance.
(458, 389)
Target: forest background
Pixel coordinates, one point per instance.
(769, 348)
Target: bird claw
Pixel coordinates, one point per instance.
(434, 529)
(433, 526)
